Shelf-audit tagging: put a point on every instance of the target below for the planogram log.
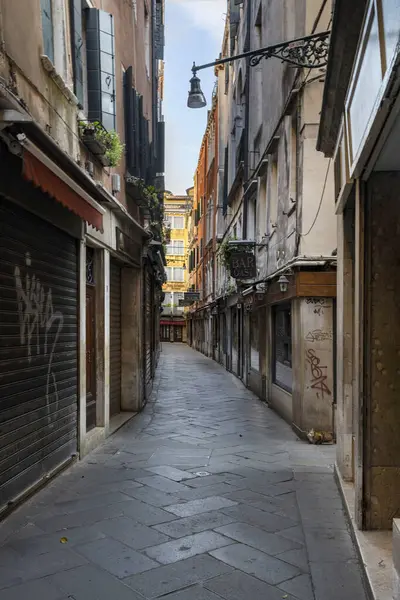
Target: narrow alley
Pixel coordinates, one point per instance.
(206, 494)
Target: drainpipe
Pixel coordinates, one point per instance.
(246, 141)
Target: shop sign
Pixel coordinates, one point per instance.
(192, 297)
(183, 302)
(243, 265)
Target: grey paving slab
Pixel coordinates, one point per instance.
(259, 518)
(195, 524)
(81, 518)
(116, 558)
(338, 580)
(257, 538)
(172, 473)
(34, 590)
(298, 558)
(329, 545)
(154, 497)
(162, 483)
(187, 546)
(135, 535)
(145, 513)
(195, 592)
(178, 575)
(38, 566)
(91, 583)
(217, 489)
(42, 544)
(301, 587)
(254, 562)
(194, 507)
(239, 586)
(140, 523)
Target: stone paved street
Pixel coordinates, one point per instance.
(207, 494)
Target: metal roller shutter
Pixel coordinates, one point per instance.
(115, 338)
(147, 330)
(38, 349)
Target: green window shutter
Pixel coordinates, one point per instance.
(77, 44)
(47, 28)
(101, 67)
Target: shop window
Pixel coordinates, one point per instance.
(282, 356)
(255, 340)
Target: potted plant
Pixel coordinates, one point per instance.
(103, 144)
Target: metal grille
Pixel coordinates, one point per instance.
(38, 349)
(115, 338)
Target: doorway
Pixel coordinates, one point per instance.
(90, 357)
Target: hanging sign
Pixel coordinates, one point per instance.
(243, 265)
(192, 297)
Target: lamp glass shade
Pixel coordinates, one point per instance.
(196, 97)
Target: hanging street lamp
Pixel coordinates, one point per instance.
(310, 52)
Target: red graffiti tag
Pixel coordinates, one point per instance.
(318, 381)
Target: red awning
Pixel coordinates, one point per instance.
(172, 322)
(41, 176)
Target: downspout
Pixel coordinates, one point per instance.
(246, 141)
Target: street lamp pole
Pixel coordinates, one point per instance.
(310, 52)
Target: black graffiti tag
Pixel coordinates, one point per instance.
(318, 376)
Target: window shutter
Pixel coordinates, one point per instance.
(160, 147)
(129, 114)
(101, 67)
(225, 190)
(47, 27)
(77, 44)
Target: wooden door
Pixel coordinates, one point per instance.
(90, 357)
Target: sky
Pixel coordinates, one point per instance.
(193, 32)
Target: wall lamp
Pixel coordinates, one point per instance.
(283, 283)
(310, 52)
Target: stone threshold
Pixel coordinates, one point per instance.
(117, 421)
(374, 547)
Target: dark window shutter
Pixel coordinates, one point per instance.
(129, 114)
(225, 190)
(77, 44)
(136, 125)
(160, 147)
(101, 67)
(47, 27)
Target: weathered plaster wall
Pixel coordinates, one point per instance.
(344, 342)
(313, 364)
(382, 352)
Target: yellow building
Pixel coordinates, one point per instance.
(177, 212)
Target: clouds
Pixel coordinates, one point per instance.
(208, 15)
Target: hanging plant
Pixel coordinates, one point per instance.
(228, 247)
(105, 145)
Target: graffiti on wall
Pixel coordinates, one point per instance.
(319, 335)
(39, 324)
(319, 377)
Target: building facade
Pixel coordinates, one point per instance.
(359, 133)
(173, 324)
(81, 201)
(273, 198)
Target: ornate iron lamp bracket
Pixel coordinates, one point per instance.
(310, 52)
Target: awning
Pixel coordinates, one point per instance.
(172, 322)
(44, 173)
